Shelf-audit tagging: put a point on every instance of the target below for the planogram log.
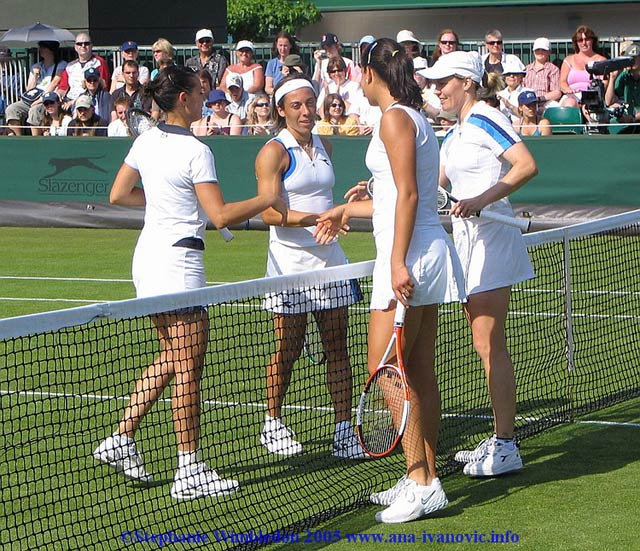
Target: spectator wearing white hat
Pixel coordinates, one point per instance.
(513, 73)
(542, 76)
(239, 100)
(208, 58)
(412, 46)
(252, 73)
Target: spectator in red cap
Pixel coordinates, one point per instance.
(129, 51)
(329, 47)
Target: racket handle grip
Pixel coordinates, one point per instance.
(401, 310)
(523, 224)
(226, 234)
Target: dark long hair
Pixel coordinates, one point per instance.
(389, 60)
(280, 120)
(589, 33)
(290, 38)
(166, 87)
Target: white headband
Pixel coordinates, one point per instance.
(292, 85)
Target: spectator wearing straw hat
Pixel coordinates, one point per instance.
(412, 46)
(542, 76)
(252, 73)
(208, 58)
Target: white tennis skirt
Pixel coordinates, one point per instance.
(284, 260)
(160, 269)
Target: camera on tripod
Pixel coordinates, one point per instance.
(593, 99)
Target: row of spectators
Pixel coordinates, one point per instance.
(82, 98)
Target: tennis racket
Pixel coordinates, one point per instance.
(383, 410)
(140, 121)
(312, 347)
(444, 204)
(370, 187)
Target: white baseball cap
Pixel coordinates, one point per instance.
(242, 44)
(233, 79)
(367, 39)
(406, 36)
(419, 63)
(462, 64)
(204, 33)
(541, 43)
(513, 66)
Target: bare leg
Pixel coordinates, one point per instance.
(486, 313)
(333, 329)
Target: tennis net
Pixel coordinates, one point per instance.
(66, 376)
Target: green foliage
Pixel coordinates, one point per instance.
(259, 20)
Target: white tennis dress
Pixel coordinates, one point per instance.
(431, 257)
(171, 162)
(493, 255)
(307, 186)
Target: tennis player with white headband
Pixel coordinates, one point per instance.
(484, 161)
(297, 166)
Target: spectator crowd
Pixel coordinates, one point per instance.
(81, 97)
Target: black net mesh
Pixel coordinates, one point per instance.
(64, 387)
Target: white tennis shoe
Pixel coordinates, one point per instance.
(122, 455)
(347, 446)
(279, 439)
(414, 501)
(198, 480)
(387, 497)
(499, 457)
(467, 456)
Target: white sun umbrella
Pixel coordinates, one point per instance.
(38, 32)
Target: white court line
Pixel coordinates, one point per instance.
(261, 406)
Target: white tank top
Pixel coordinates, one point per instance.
(307, 186)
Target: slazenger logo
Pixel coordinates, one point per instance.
(53, 184)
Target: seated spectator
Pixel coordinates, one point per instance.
(72, 78)
(447, 42)
(45, 76)
(335, 121)
(283, 45)
(444, 121)
(487, 93)
(530, 123)
(96, 91)
(356, 70)
(626, 90)
(208, 58)
(293, 62)
(496, 58)
(513, 73)
(163, 55)
(542, 76)
(119, 127)
(132, 90)
(129, 53)
(430, 101)
(330, 47)
(55, 121)
(220, 122)
(206, 85)
(574, 78)
(412, 46)
(86, 122)
(349, 90)
(260, 120)
(252, 73)
(238, 97)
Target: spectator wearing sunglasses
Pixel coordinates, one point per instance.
(261, 121)
(335, 121)
(208, 58)
(448, 41)
(348, 90)
(495, 59)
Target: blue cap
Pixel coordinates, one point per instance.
(527, 97)
(129, 45)
(91, 72)
(50, 96)
(216, 95)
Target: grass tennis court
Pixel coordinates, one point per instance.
(578, 491)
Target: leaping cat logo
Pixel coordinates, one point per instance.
(61, 165)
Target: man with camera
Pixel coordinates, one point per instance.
(626, 91)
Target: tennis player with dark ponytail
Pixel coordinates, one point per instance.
(180, 191)
(415, 263)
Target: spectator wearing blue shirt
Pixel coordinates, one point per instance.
(283, 45)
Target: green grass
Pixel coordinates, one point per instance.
(53, 491)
